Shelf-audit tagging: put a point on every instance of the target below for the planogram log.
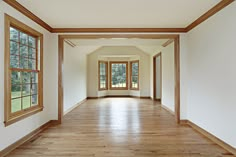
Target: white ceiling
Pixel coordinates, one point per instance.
(118, 13)
(149, 46)
(118, 42)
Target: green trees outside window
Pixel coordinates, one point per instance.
(134, 78)
(24, 73)
(119, 75)
(103, 79)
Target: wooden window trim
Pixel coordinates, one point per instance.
(131, 62)
(10, 118)
(106, 63)
(110, 75)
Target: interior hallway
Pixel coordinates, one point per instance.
(121, 127)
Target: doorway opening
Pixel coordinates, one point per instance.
(175, 38)
(164, 76)
(157, 77)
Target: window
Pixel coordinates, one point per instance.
(118, 75)
(103, 76)
(134, 75)
(23, 71)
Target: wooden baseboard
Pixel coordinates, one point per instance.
(183, 122)
(73, 107)
(27, 138)
(92, 97)
(145, 97)
(34, 133)
(155, 99)
(167, 109)
(120, 96)
(132, 96)
(210, 136)
(98, 97)
(55, 122)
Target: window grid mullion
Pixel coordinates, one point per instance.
(119, 71)
(21, 86)
(22, 69)
(136, 75)
(36, 45)
(21, 91)
(102, 75)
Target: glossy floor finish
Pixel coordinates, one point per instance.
(120, 127)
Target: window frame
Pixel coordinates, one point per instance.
(131, 74)
(110, 75)
(106, 76)
(10, 117)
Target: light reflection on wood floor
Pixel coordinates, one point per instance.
(120, 127)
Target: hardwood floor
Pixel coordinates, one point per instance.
(120, 127)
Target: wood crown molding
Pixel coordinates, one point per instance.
(28, 13)
(69, 42)
(209, 136)
(118, 30)
(209, 13)
(168, 42)
(198, 21)
(107, 36)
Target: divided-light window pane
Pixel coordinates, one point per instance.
(134, 75)
(118, 75)
(32, 42)
(34, 100)
(15, 105)
(14, 61)
(135, 69)
(26, 102)
(26, 89)
(14, 49)
(24, 86)
(14, 34)
(16, 91)
(103, 75)
(23, 38)
(24, 73)
(32, 53)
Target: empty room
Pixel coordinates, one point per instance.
(117, 78)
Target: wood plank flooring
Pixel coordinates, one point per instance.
(120, 127)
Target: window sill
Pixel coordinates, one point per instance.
(102, 89)
(137, 89)
(118, 88)
(14, 119)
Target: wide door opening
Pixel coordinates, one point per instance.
(103, 55)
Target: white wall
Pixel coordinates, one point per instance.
(158, 77)
(207, 72)
(184, 89)
(212, 75)
(183, 74)
(17, 130)
(75, 76)
(118, 50)
(168, 77)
